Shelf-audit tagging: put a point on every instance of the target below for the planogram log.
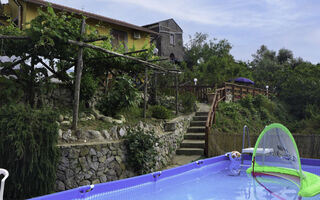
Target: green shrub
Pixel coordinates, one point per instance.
(140, 146)
(122, 95)
(28, 150)
(188, 101)
(89, 86)
(160, 112)
(10, 92)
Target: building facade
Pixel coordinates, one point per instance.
(169, 42)
(129, 35)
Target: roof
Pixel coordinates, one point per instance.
(91, 15)
(147, 25)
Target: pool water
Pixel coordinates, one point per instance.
(211, 182)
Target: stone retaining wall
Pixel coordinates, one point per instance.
(103, 161)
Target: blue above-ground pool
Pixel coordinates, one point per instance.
(207, 179)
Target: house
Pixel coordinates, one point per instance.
(23, 11)
(169, 42)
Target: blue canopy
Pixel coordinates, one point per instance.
(243, 80)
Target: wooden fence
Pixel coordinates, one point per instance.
(238, 92)
(220, 143)
(200, 91)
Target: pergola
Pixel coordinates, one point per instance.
(84, 44)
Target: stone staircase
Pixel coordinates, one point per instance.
(194, 139)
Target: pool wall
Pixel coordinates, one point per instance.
(85, 191)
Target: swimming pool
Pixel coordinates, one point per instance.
(208, 179)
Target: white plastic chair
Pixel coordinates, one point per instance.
(6, 174)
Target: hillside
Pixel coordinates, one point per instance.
(255, 112)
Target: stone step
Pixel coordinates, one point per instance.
(190, 151)
(200, 118)
(196, 129)
(198, 123)
(192, 144)
(194, 136)
(202, 114)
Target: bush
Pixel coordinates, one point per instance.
(28, 150)
(160, 112)
(188, 100)
(88, 88)
(122, 95)
(141, 145)
(9, 91)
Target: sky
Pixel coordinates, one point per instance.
(246, 24)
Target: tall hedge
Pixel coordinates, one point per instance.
(28, 139)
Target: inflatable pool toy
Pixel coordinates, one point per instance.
(276, 154)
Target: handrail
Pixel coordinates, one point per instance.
(245, 132)
(218, 96)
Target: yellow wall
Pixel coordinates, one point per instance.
(30, 11)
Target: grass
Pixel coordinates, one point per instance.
(98, 125)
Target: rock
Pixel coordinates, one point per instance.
(65, 123)
(141, 125)
(69, 173)
(88, 174)
(122, 132)
(83, 119)
(74, 153)
(94, 134)
(114, 132)
(96, 181)
(84, 151)
(106, 119)
(70, 183)
(60, 175)
(67, 135)
(170, 126)
(94, 165)
(118, 159)
(102, 159)
(97, 114)
(122, 118)
(103, 179)
(60, 186)
(111, 120)
(60, 118)
(82, 134)
(84, 182)
(106, 134)
(94, 158)
(92, 117)
(92, 152)
(83, 163)
(60, 134)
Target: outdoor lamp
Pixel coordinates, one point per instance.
(155, 51)
(195, 81)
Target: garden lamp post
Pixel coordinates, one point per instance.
(195, 81)
(267, 88)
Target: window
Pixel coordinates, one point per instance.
(171, 39)
(119, 38)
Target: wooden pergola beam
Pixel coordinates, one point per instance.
(77, 84)
(82, 44)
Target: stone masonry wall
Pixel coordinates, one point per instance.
(102, 161)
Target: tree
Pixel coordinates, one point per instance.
(211, 62)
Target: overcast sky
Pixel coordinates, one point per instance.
(247, 24)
